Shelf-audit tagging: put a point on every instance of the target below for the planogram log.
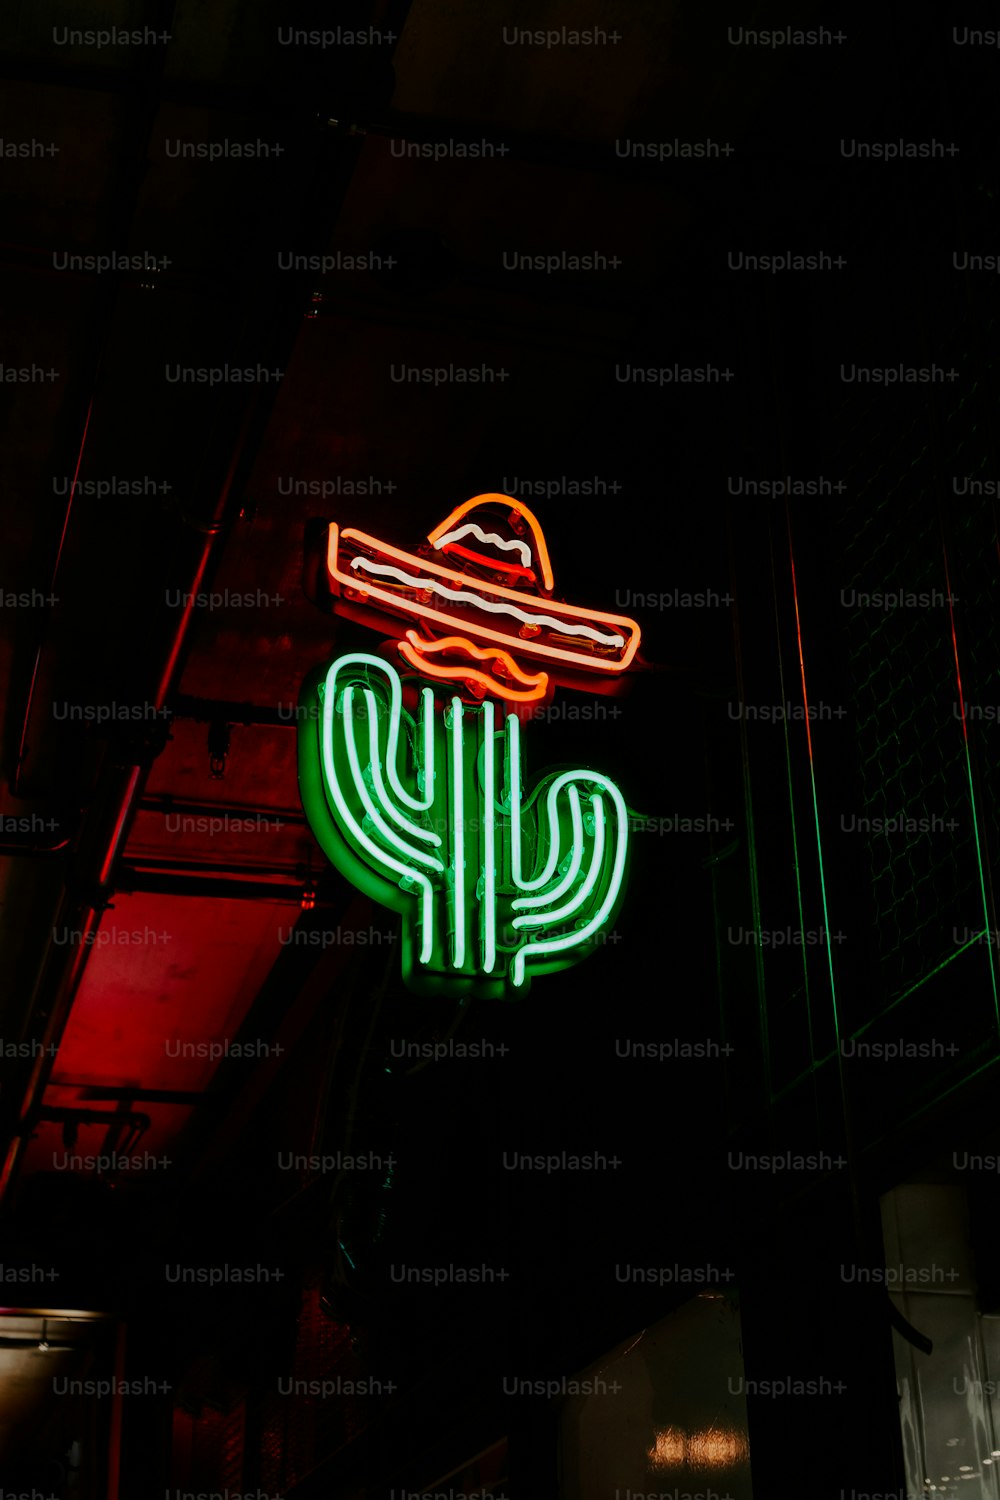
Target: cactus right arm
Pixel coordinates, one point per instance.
(583, 858)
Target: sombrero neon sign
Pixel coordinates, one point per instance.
(413, 782)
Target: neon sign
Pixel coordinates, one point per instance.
(414, 784)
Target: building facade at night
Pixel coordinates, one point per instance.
(499, 800)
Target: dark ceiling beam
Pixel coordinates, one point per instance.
(255, 102)
(129, 82)
(516, 333)
(397, 311)
(528, 147)
(499, 326)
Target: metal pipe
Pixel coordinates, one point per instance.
(22, 739)
(208, 710)
(157, 866)
(215, 887)
(14, 847)
(117, 1412)
(164, 803)
(193, 1099)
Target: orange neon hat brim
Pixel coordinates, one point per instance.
(398, 602)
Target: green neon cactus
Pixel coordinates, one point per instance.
(425, 811)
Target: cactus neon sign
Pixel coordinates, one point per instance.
(414, 784)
